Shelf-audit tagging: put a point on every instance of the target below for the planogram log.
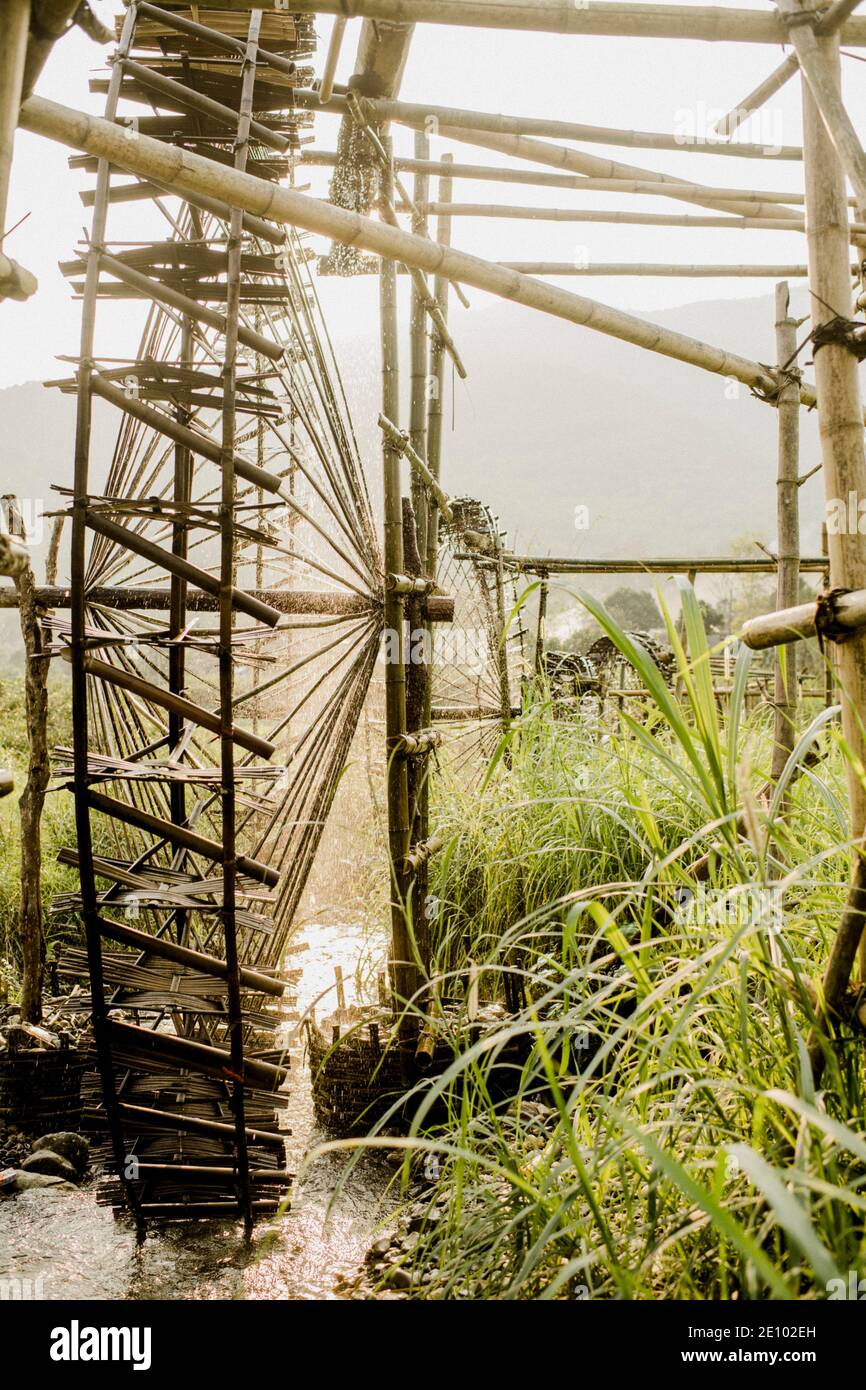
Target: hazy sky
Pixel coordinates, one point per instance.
(641, 84)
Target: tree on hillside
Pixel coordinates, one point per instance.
(633, 609)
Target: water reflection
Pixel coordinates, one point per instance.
(80, 1251)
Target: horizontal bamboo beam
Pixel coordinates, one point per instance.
(706, 564)
(707, 23)
(794, 624)
(193, 960)
(651, 186)
(638, 219)
(628, 176)
(296, 602)
(660, 268)
(419, 116)
(185, 170)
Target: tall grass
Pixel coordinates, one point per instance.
(658, 911)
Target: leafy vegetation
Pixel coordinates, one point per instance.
(58, 821)
(660, 919)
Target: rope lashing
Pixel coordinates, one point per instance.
(827, 625)
(844, 332)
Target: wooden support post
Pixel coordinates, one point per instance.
(437, 373)
(403, 974)
(842, 452)
(228, 800)
(788, 525)
(418, 355)
(31, 937)
(542, 624)
(14, 26)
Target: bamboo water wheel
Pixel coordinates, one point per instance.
(478, 661)
(225, 619)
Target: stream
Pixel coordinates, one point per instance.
(72, 1248)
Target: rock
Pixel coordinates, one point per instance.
(379, 1248)
(400, 1278)
(28, 1182)
(69, 1146)
(49, 1164)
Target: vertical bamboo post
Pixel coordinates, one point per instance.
(228, 799)
(441, 287)
(78, 636)
(14, 28)
(541, 628)
(418, 353)
(788, 519)
(402, 968)
(844, 462)
(416, 515)
(31, 936)
(182, 492)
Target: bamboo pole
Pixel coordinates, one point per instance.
(437, 374)
(654, 187)
(708, 564)
(423, 116)
(663, 269)
(418, 352)
(638, 219)
(186, 171)
(792, 625)
(403, 975)
(643, 21)
(788, 524)
(757, 98)
(332, 57)
(31, 936)
(842, 452)
(580, 162)
(14, 26)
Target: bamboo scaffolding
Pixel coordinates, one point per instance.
(187, 171)
(788, 526)
(642, 21)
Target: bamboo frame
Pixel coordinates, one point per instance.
(189, 172)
